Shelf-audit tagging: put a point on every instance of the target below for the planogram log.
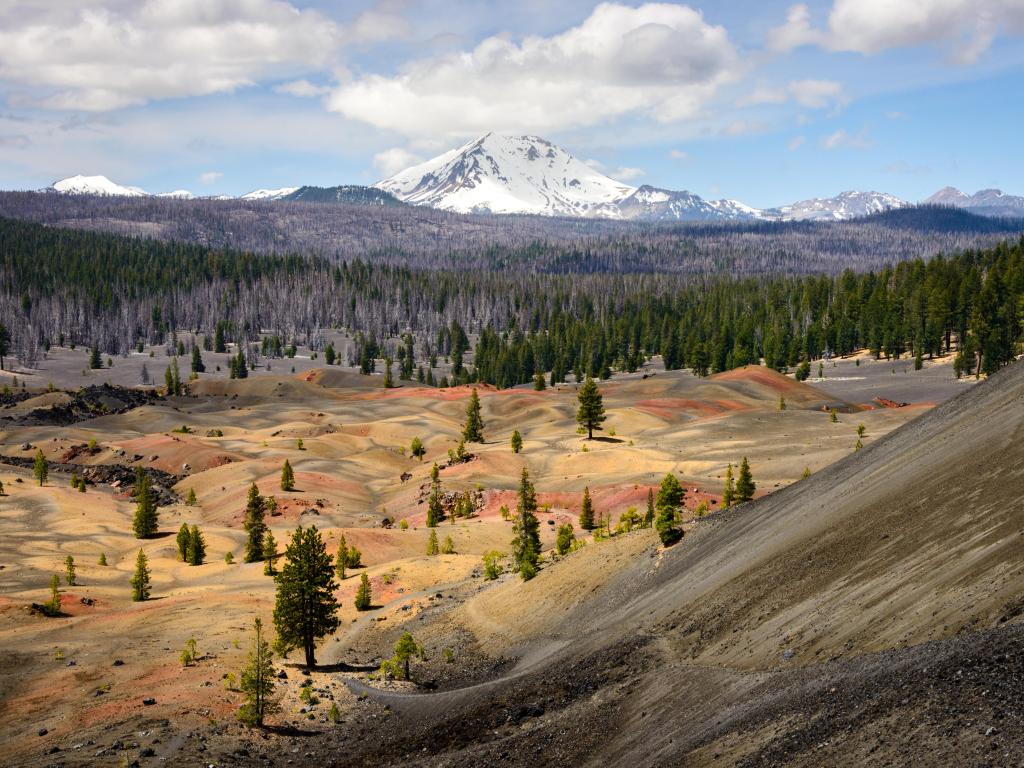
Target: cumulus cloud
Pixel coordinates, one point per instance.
(92, 57)
(966, 28)
(210, 177)
(302, 88)
(391, 161)
(813, 94)
(658, 60)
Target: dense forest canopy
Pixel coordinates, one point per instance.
(115, 292)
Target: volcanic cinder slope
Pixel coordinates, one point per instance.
(868, 615)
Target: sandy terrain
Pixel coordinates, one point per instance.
(733, 603)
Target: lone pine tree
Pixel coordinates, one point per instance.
(432, 548)
(254, 526)
(587, 511)
(41, 467)
(590, 414)
(745, 486)
(473, 430)
(526, 530)
(305, 608)
(269, 553)
(146, 520)
(364, 596)
(140, 580)
(517, 442)
(670, 499)
(728, 489)
(287, 477)
(257, 682)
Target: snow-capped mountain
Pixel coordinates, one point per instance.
(844, 206)
(178, 194)
(268, 194)
(987, 202)
(94, 185)
(652, 204)
(509, 174)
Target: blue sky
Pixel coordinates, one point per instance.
(765, 102)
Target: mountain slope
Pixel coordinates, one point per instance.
(344, 195)
(842, 207)
(986, 202)
(798, 629)
(508, 174)
(269, 194)
(94, 185)
(652, 204)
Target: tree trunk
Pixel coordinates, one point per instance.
(407, 668)
(310, 657)
(590, 431)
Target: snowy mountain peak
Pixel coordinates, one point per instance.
(508, 174)
(95, 185)
(269, 194)
(844, 206)
(178, 194)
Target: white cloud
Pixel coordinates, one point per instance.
(210, 177)
(302, 88)
(627, 173)
(391, 161)
(795, 143)
(966, 28)
(85, 56)
(658, 60)
(813, 94)
(678, 154)
(841, 139)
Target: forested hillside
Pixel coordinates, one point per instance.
(61, 286)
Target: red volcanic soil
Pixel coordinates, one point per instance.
(766, 377)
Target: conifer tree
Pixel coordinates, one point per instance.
(587, 511)
(538, 382)
(254, 525)
(473, 430)
(2, 491)
(649, 514)
(140, 580)
(447, 546)
(196, 546)
(432, 543)
(745, 486)
(364, 596)
(405, 649)
(41, 467)
(52, 606)
(69, 570)
(197, 361)
(389, 381)
(416, 449)
(526, 530)
(182, 540)
(341, 559)
(146, 520)
(95, 361)
(517, 442)
(103, 559)
(305, 608)
(670, 499)
(257, 681)
(287, 477)
(591, 411)
(565, 539)
(190, 500)
(269, 553)
(729, 489)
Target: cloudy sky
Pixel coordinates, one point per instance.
(758, 100)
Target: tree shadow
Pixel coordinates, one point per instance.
(289, 730)
(343, 667)
(605, 439)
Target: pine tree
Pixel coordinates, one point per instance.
(95, 361)
(41, 467)
(219, 344)
(745, 486)
(526, 530)
(364, 596)
(405, 649)
(287, 477)
(140, 580)
(305, 608)
(447, 546)
(517, 442)
(389, 381)
(196, 553)
(432, 543)
(670, 499)
(416, 449)
(254, 525)
(341, 559)
(257, 681)
(190, 500)
(565, 539)
(52, 606)
(182, 540)
(587, 511)
(269, 553)
(146, 521)
(197, 361)
(729, 489)
(591, 411)
(69, 570)
(473, 431)
(649, 514)
(103, 559)
(538, 382)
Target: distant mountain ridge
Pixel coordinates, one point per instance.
(987, 202)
